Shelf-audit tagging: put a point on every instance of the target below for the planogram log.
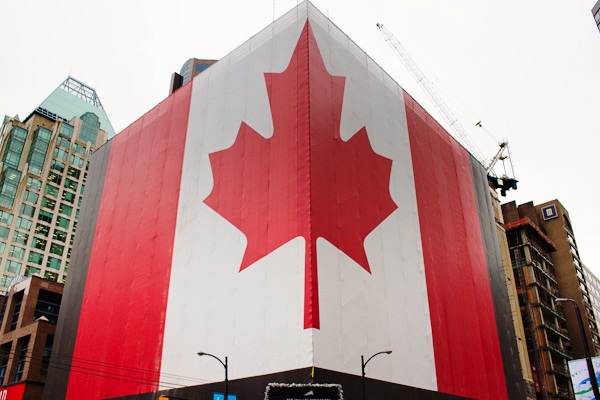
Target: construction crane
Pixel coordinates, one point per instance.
(504, 182)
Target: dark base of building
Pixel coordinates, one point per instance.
(254, 388)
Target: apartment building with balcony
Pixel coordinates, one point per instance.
(548, 340)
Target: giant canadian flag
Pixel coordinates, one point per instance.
(290, 207)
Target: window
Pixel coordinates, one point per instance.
(29, 270)
(70, 184)
(23, 347)
(63, 142)
(27, 210)
(12, 266)
(51, 190)
(35, 257)
(4, 232)
(30, 197)
(66, 129)
(34, 184)
(38, 149)
(17, 300)
(69, 197)
(63, 222)
(46, 358)
(57, 249)
(54, 177)
(9, 183)
(5, 280)
(48, 305)
(24, 223)
(45, 216)
(16, 252)
(76, 161)
(73, 172)
(65, 209)
(6, 218)
(12, 159)
(78, 149)
(60, 154)
(89, 128)
(58, 166)
(39, 243)
(51, 276)
(42, 230)
(60, 235)
(15, 141)
(53, 263)
(48, 203)
(20, 237)
(2, 247)
(4, 356)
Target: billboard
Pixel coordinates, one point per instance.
(289, 208)
(580, 377)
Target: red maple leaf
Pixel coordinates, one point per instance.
(304, 180)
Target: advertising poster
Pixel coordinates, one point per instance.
(580, 378)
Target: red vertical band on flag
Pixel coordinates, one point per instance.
(465, 337)
(132, 250)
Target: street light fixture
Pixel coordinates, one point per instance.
(224, 364)
(363, 365)
(586, 346)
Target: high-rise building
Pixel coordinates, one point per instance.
(572, 281)
(43, 171)
(547, 338)
(596, 13)
(292, 209)
(189, 70)
(565, 272)
(594, 291)
(27, 328)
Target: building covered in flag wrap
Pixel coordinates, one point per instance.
(291, 208)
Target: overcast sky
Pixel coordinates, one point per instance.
(529, 70)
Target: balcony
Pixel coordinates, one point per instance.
(558, 349)
(552, 310)
(553, 292)
(562, 333)
(561, 369)
(544, 271)
(564, 393)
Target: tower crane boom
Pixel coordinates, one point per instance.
(504, 183)
(427, 87)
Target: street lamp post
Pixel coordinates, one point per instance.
(363, 365)
(224, 364)
(586, 346)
